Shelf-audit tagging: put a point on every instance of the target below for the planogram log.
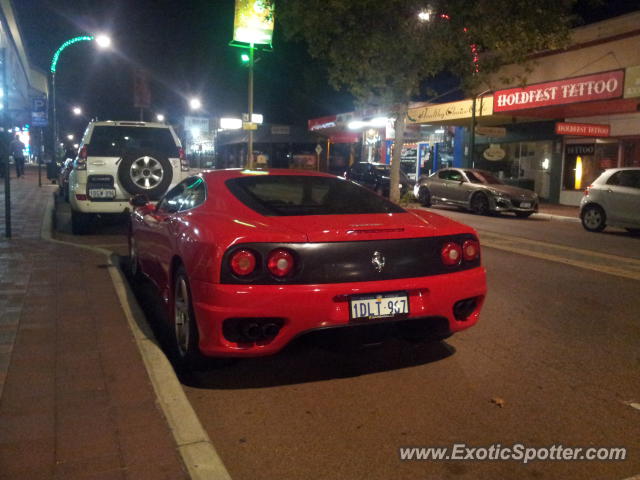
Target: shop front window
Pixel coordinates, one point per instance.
(523, 164)
(583, 163)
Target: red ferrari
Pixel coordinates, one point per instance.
(246, 261)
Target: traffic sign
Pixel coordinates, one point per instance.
(318, 149)
(39, 111)
(249, 126)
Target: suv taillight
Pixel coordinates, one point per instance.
(81, 161)
(184, 164)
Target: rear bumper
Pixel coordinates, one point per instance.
(88, 206)
(305, 308)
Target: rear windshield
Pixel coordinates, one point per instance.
(109, 141)
(286, 195)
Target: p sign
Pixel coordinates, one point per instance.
(39, 112)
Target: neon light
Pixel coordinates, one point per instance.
(578, 181)
(56, 56)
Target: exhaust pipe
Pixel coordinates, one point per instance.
(252, 331)
(270, 330)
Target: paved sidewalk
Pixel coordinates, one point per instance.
(75, 398)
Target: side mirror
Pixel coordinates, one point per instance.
(139, 200)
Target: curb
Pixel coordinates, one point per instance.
(194, 445)
(559, 218)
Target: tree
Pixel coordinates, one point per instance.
(382, 50)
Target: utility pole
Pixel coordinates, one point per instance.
(5, 134)
(250, 163)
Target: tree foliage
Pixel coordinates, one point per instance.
(381, 50)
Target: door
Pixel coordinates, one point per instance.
(622, 197)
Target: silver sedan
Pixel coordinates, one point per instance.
(475, 190)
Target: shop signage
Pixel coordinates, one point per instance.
(249, 126)
(280, 130)
(583, 129)
(494, 153)
(253, 22)
(632, 82)
(450, 111)
(581, 149)
(599, 86)
(491, 131)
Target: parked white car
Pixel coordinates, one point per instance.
(120, 159)
(613, 199)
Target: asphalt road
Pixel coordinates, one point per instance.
(554, 360)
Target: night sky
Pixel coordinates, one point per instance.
(183, 46)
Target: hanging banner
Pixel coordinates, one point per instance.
(599, 86)
(253, 22)
(141, 91)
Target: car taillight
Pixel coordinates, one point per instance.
(451, 254)
(280, 262)
(81, 161)
(470, 250)
(243, 262)
(184, 163)
(587, 190)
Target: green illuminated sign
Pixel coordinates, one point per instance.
(56, 56)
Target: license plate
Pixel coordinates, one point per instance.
(525, 204)
(382, 305)
(102, 193)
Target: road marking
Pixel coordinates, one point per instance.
(600, 262)
(196, 449)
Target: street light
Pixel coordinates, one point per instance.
(102, 41)
(195, 104)
(160, 117)
(70, 136)
(76, 111)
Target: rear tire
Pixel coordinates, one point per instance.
(424, 196)
(185, 334)
(80, 222)
(593, 218)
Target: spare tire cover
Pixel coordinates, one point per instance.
(145, 172)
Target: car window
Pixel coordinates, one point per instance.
(482, 177)
(625, 178)
(383, 170)
(186, 195)
(170, 203)
(107, 141)
(193, 194)
(455, 176)
(286, 195)
(443, 174)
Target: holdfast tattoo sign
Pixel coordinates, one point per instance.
(599, 86)
(583, 129)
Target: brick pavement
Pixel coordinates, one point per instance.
(75, 398)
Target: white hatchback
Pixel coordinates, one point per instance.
(120, 159)
(613, 199)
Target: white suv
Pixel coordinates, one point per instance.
(120, 159)
(613, 199)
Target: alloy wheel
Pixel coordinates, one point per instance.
(146, 172)
(593, 219)
(181, 316)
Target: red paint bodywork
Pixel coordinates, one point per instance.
(199, 238)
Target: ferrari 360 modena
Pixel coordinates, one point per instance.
(248, 260)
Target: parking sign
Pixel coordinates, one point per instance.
(39, 112)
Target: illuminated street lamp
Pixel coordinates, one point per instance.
(195, 104)
(70, 137)
(102, 41)
(76, 111)
(160, 117)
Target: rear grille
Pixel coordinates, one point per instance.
(343, 262)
